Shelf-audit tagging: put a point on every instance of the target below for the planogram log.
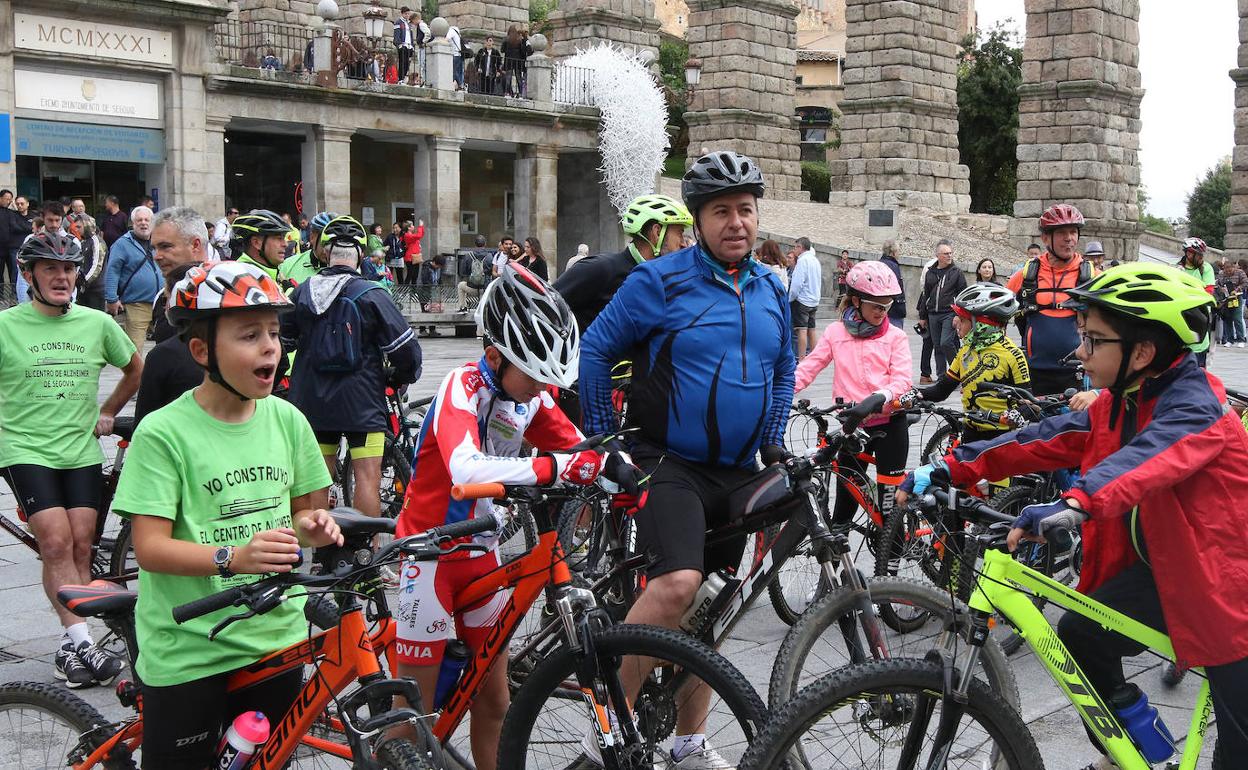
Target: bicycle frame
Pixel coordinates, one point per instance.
(343, 654)
(1005, 586)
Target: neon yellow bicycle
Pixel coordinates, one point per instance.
(909, 713)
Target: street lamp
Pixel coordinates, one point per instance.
(375, 22)
(693, 72)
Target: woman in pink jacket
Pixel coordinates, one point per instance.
(871, 360)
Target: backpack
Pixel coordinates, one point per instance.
(336, 342)
(1027, 299)
(476, 273)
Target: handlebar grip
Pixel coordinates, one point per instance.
(207, 604)
(465, 528)
(478, 491)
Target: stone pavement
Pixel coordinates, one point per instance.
(29, 630)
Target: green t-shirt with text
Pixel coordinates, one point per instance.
(220, 483)
(50, 383)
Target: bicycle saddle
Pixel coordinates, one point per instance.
(123, 427)
(353, 523)
(99, 598)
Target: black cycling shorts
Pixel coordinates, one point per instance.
(360, 444)
(38, 488)
(183, 723)
(685, 499)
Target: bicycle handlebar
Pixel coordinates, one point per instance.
(466, 528)
(478, 491)
(207, 604)
(964, 505)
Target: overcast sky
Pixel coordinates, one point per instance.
(1186, 51)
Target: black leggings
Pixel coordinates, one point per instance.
(182, 723)
(1099, 653)
(891, 452)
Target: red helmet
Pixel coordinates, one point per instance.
(1194, 244)
(1060, 215)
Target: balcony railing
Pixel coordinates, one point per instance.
(573, 85)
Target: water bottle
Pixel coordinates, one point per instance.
(248, 732)
(453, 662)
(714, 592)
(1143, 724)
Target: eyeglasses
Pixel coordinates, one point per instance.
(1089, 342)
(883, 307)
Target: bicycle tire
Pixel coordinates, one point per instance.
(399, 754)
(897, 547)
(1004, 742)
(122, 559)
(800, 569)
(815, 637)
(17, 744)
(941, 441)
(553, 678)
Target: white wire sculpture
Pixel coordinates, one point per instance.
(633, 138)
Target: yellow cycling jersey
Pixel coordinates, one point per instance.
(1001, 362)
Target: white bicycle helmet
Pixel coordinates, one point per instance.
(989, 300)
(527, 320)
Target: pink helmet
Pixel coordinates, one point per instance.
(873, 279)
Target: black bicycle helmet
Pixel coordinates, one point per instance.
(345, 231)
(258, 222)
(718, 173)
(45, 245)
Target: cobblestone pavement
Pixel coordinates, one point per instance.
(29, 630)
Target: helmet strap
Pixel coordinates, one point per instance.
(264, 241)
(37, 295)
(214, 371)
(1122, 382)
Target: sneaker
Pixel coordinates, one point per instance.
(104, 668)
(1239, 344)
(925, 380)
(68, 666)
(705, 758)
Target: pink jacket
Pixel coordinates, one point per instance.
(880, 364)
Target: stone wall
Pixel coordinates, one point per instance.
(302, 12)
(478, 18)
(899, 124)
(583, 23)
(1237, 222)
(746, 98)
(1079, 119)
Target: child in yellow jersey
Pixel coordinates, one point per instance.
(981, 312)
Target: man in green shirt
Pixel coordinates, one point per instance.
(51, 354)
(261, 238)
(306, 264)
(222, 486)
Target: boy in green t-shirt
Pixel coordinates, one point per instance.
(222, 485)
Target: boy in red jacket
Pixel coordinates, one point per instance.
(1162, 461)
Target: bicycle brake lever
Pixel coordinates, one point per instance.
(218, 628)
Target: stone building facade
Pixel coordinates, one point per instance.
(899, 125)
(1237, 223)
(745, 99)
(582, 23)
(1079, 119)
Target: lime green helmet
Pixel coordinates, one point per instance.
(654, 208)
(1150, 292)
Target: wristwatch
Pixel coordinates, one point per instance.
(222, 558)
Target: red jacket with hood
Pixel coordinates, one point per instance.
(1164, 483)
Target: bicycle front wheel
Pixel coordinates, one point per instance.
(43, 726)
(549, 720)
(816, 645)
(870, 715)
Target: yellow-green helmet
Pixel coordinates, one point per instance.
(1150, 292)
(654, 208)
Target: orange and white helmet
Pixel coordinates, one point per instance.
(214, 288)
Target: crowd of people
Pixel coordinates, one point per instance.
(721, 335)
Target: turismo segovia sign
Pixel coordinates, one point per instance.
(53, 139)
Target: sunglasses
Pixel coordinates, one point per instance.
(883, 307)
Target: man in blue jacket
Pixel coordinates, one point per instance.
(133, 280)
(710, 336)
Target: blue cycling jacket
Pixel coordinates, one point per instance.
(712, 358)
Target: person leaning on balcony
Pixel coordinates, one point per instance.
(489, 66)
(516, 53)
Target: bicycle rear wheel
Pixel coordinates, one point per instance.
(549, 718)
(42, 726)
(122, 561)
(866, 715)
